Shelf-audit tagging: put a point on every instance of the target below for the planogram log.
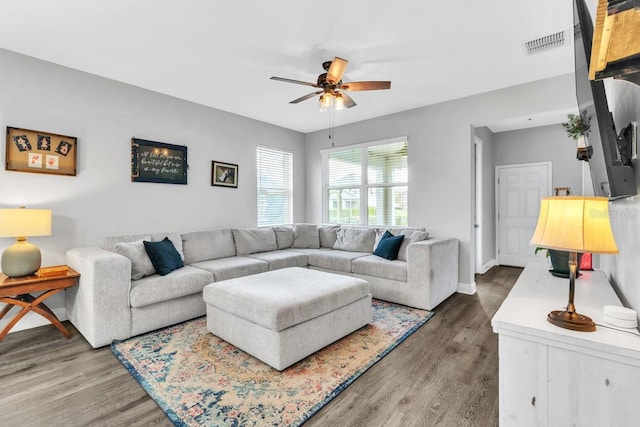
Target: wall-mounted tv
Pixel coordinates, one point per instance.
(611, 178)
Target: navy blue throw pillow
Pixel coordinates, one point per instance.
(164, 256)
(389, 246)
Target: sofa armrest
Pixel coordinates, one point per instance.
(432, 270)
(99, 306)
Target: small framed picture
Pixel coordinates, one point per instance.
(63, 147)
(44, 142)
(224, 174)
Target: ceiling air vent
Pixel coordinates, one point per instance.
(545, 43)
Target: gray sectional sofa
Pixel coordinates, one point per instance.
(119, 294)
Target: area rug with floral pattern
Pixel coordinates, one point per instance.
(199, 379)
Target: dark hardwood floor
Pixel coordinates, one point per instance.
(445, 374)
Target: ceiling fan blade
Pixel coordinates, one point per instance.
(372, 85)
(348, 101)
(299, 82)
(304, 98)
(336, 70)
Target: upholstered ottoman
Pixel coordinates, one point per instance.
(282, 316)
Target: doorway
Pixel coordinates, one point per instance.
(479, 217)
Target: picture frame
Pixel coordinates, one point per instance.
(36, 151)
(224, 174)
(158, 162)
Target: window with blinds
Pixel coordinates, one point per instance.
(275, 186)
(367, 184)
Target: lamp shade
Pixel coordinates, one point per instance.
(575, 224)
(22, 222)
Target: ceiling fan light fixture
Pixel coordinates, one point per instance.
(326, 100)
(322, 104)
(339, 102)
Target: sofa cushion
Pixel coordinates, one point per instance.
(164, 256)
(328, 235)
(308, 251)
(141, 265)
(154, 289)
(284, 236)
(206, 245)
(232, 267)
(379, 267)
(252, 240)
(305, 236)
(109, 243)
(355, 239)
(282, 259)
(389, 246)
(335, 260)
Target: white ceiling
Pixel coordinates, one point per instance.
(221, 54)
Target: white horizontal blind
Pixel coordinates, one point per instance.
(345, 168)
(387, 177)
(275, 186)
(387, 164)
(367, 184)
(345, 182)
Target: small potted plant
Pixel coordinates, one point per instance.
(578, 128)
(560, 262)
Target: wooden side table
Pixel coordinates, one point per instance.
(16, 291)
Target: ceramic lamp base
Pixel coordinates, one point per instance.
(20, 259)
(573, 321)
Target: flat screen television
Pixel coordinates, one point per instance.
(611, 178)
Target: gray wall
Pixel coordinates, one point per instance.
(624, 101)
(101, 200)
(539, 144)
(440, 154)
(542, 144)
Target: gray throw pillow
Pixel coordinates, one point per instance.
(141, 265)
(305, 236)
(355, 239)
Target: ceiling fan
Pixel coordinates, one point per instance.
(332, 88)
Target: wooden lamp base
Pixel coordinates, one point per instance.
(573, 321)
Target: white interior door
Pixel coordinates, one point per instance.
(519, 189)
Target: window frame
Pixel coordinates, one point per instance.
(364, 186)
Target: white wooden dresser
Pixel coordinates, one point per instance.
(550, 376)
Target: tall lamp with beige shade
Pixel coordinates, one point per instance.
(575, 225)
(23, 258)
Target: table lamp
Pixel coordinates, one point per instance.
(574, 224)
(23, 258)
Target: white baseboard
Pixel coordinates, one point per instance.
(467, 288)
(31, 320)
(487, 266)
